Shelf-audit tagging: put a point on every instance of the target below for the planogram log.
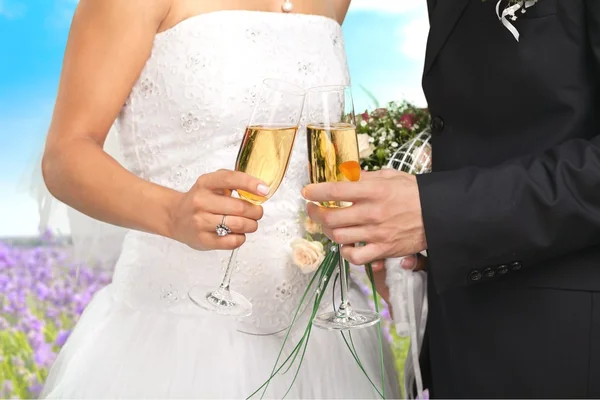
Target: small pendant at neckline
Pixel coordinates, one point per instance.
(287, 6)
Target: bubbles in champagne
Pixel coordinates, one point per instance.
(265, 154)
(333, 155)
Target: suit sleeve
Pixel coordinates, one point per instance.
(517, 214)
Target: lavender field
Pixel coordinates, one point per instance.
(42, 294)
(41, 300)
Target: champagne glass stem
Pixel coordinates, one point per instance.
(229, 270)
(223, 295)
(344, 308)
(264, 153)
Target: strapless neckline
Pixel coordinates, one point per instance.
(253, 13)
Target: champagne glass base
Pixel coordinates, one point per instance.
(334, 321)
(220, 301)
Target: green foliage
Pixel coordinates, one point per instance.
(386, 129)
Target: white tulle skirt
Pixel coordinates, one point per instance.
(119, 352)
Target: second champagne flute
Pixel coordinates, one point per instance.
(333, 157)
(264, 153)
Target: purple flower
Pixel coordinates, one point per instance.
(36, 339)
(388, 335)
(61, 338)
(52, 313)
(7, 388)
(44, 356)
(35, 387)
(385, 313)
(39, 295)
(35, 390)
(41, 291)
(8, 309)
(424, 395)
(47, 236)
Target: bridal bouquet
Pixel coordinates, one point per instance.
(385, 130)
(380, 134)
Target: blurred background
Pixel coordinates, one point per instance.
(385, 41)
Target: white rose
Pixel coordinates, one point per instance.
(311, 226)
(421, 157)
(365, 147)
(307, 255)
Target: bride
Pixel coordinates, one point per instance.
(175, 77)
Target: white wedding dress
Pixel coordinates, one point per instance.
(141, 337)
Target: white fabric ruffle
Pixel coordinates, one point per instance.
(408, 299)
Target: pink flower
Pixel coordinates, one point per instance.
(365, 116)
(408, 120)
(380, 112)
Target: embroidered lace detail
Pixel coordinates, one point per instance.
(185, 117)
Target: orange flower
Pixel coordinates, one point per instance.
(350, 170)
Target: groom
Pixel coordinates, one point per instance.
(510, 217)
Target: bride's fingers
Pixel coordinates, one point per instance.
(378, 265)
(415, 262)
(225, 205)
(233, 180)
(236, 224)
(229, 242)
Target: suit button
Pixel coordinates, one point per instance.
(437, 125)
(475, 276)
(502, 269)
(515, 266)
(488, 273)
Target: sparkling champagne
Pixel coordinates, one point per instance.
(333, 155)
(265, 154)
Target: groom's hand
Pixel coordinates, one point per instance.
(385, 214)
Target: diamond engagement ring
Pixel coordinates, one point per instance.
(222, 229)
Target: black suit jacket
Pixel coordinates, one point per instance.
(512, 209)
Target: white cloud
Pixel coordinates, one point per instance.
(413, 35)
(19, 215)
(11, 10)
(62, 15)
(409, 38)
(387, 6)
(406, 88)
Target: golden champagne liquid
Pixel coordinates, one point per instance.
(330, 146)
(265, 154)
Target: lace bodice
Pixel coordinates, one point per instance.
(185, 117)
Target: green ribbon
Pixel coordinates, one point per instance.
(321, 280)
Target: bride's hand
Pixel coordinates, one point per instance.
(196, 214)
(414, 262)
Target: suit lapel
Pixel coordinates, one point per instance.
(430, 7)
(443, 19)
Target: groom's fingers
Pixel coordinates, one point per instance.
(353, 234)
(382, 173)
(333, 218)
(360, 255)
(336, 191)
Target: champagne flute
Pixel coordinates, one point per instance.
(333, 157)
(264, 153)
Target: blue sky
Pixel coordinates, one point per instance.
(385, 41)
